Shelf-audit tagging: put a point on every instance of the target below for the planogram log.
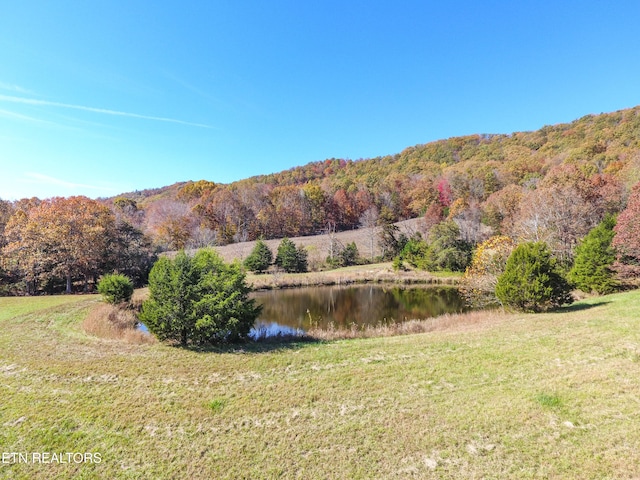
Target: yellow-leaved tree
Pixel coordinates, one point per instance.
(488, 263)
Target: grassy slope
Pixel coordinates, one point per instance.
(317, 246)
(519, 396)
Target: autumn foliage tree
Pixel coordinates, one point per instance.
(70, 239)
(6, 210)
(487, 264)
(567, 204)
(627, 237)
(172, 222)
(60, 237)
(552, 185)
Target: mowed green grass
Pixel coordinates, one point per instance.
(517, 396)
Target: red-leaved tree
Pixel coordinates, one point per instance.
(627, 237)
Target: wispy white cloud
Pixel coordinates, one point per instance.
(193, 88)
(14, 88)
(47, 103)
(26, 118)
(40, 179)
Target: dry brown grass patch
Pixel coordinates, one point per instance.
(139, 296)
(450, 322)
(115, 323)
(373, 273)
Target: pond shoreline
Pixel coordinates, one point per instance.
(361, 274)
(444, 322)
(355, 306)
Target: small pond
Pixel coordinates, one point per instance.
(298, 309)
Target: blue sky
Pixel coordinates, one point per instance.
(103, 97)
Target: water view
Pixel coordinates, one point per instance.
(341, 307)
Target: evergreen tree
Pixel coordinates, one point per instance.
(531, 282)
(447, 250)
(594, 257)
(349, 255)
(301, 260)
(168, 313)
(198, 299)
(290, 258)
(391, 240)
(260, 258)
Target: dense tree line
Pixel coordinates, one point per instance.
(529, 277)
(553, 185)
(53, 244)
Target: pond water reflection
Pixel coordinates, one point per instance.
(342, 307)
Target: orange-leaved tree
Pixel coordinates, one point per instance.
(60, 237)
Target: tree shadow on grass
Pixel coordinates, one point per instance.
(579, 306)
(268, 345)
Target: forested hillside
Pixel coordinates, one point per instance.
(501, 181)
(554, 184)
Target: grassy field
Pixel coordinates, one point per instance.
(505, 396)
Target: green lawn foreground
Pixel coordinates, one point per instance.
(518, 396)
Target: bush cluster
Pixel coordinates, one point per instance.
(115, 288)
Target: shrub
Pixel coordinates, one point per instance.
(198, 300)
(115, 288)
(415, 252)
(260, 258)
(531, 282)
(594, 257)
(397, 264)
